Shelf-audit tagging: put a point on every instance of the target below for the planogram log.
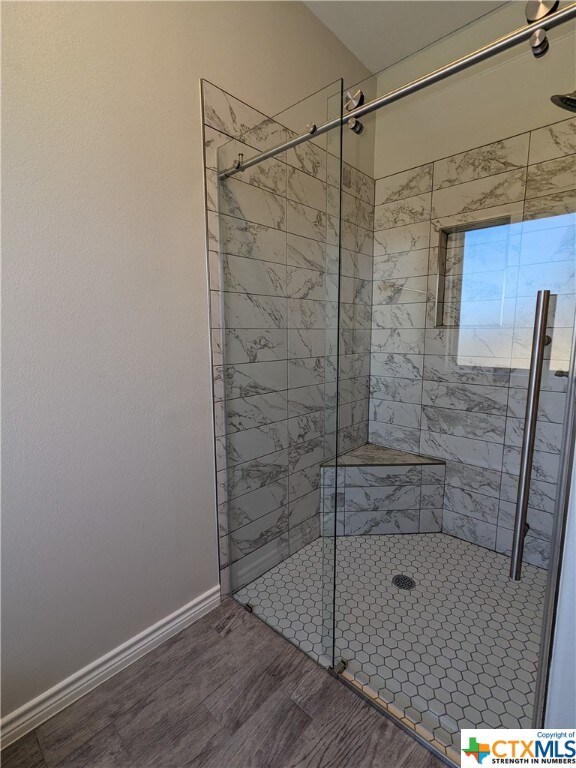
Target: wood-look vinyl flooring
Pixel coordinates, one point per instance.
(227, 692)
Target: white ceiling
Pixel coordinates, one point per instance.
(381, 33)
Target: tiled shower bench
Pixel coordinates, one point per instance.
(383, 490)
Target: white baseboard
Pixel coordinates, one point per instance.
(49, 703)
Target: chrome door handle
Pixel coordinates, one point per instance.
(527, 455)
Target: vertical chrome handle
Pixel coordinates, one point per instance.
(527, 455)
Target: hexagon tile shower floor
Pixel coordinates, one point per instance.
(459, 650)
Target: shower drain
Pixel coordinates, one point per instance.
(403, 582)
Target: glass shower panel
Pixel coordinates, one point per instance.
(279, 278)
(472, 217)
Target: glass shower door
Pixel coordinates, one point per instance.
(278, 271)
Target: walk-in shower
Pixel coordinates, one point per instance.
(393, 406)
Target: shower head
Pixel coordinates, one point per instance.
(565, 101)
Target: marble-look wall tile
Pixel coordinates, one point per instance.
(365, 476)
(392, 436)
(470, 409)
(307, 371)
(540, 522)
(305, 507)
(548, 436)
(432, 496)
(305, 284)
(304, 342)
(399, 390)
(255, 345)
(473, 478)
(398, 414)
(404, 290)
(476, 505)
(551, 177)
(258, 473)
(306, 454)
(553, 141)
(392, 316)
(448, 421)
(550, 407)
(536, 551)
(257, 562)
(246, 379)
(306, 222)
(252, 241)
(268, 175)
(254, 505)
(306, 189)
(303, 533)
(304, 481)
(309, 158)
(548, 206)
(250, 203)
(241, 275)
(416, 181)
(469, 529)
(353, 181)
(382, 522)
(408, 340)
(306, 400)
(410, 210)
(542, 494)
(480, 194)
(306, 313)
(489, 160)
(406, 264)
(252, 443)
(455, 370)
(382, 498)
(479, 453)
(305, 253)
(402, 239)
(227, 114)
(397, 365)
(213, 140)
(251, 311)
(253, 411)
(430, 521)
(544, 467)
(266, 134)
(488, 400)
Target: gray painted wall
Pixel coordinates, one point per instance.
(109, 518)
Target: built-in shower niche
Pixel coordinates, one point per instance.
(382, 491)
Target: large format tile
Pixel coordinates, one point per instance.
(242, 275)
(551, 176)
(484, 399)
(247, 412)
(255, 345)
(479, 194)
(256, 534)
(410, 210)
(402, 239)
(489, 160)
(448, 421)
(553, 141)
(249, 203)
(415, 181)
(247, 379)
(227, 114)
(250, 240)
(478, 453)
